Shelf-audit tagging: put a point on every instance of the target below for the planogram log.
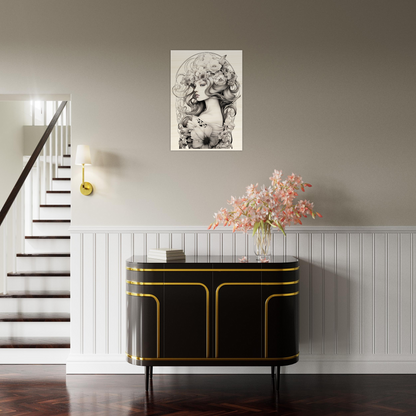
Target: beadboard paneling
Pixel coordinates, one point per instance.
(357, 293)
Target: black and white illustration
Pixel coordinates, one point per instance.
(206, 100)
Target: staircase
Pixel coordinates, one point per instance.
(34, 314)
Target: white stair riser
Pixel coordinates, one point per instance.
(48, 159)
(25, 305)
(38, 283)
(64, 173)
(50, 228)
(66, 161)
(34, 329)
(60, 213)
(47, 246)
(41, 264)
(61, 185)
(63, 199)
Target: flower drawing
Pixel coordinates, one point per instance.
(206, 88)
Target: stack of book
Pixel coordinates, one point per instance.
(166, 254)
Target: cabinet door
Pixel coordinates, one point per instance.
(280, 313)
(144, 313)
(187, 311)
(237, 312)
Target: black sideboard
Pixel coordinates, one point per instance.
(212, 312)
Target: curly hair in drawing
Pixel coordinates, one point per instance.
(206, 91)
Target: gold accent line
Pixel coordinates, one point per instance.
(242, 284)
(180, 284)
(158, 315)
(212, 359)
(212, 270)
(266, 318)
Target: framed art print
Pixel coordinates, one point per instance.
(206, 100)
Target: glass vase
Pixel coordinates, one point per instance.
(262, 243)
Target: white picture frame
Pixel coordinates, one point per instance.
(206, 100)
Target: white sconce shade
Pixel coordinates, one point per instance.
(83, 156)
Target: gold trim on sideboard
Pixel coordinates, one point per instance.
(245, 284)
(212, 359)
(146, 295)
(182, 284)
(212, 270)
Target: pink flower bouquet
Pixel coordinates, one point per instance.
(267, 207)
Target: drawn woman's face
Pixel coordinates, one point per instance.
(200, 87)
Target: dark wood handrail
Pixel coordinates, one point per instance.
(15, 191)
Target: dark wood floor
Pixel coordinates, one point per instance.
(46, 390)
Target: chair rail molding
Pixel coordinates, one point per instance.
(357, 294)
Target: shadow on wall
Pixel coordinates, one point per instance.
(326, 299)
(105, 171)
(328, 200)
(108, 160)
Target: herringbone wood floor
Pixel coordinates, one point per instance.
(46, 390)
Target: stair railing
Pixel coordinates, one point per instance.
(12, 229)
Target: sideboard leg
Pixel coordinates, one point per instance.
(278, 378)
(273, 371)
(147, 377)
(151, 373)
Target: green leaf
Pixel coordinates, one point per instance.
(281, 228)
(256, 226)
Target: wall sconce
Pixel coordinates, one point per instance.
(83, 157)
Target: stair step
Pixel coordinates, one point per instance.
(34, 317)
(38, 263)
(48, 237)
(58, 198)
(35, 281)
(60, 221)
(40, 274)
(51, 227)
(37, 294)
(29, 300)
(47, 244)
(32, 342)
(66, 161)
(55, 211)
(55, 206)
(64, 170)
(61, 184)
(43, 255)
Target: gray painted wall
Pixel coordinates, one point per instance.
(329, 93)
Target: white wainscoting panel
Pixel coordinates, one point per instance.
(357, 294)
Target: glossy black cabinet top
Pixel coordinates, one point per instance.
(274, 260)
